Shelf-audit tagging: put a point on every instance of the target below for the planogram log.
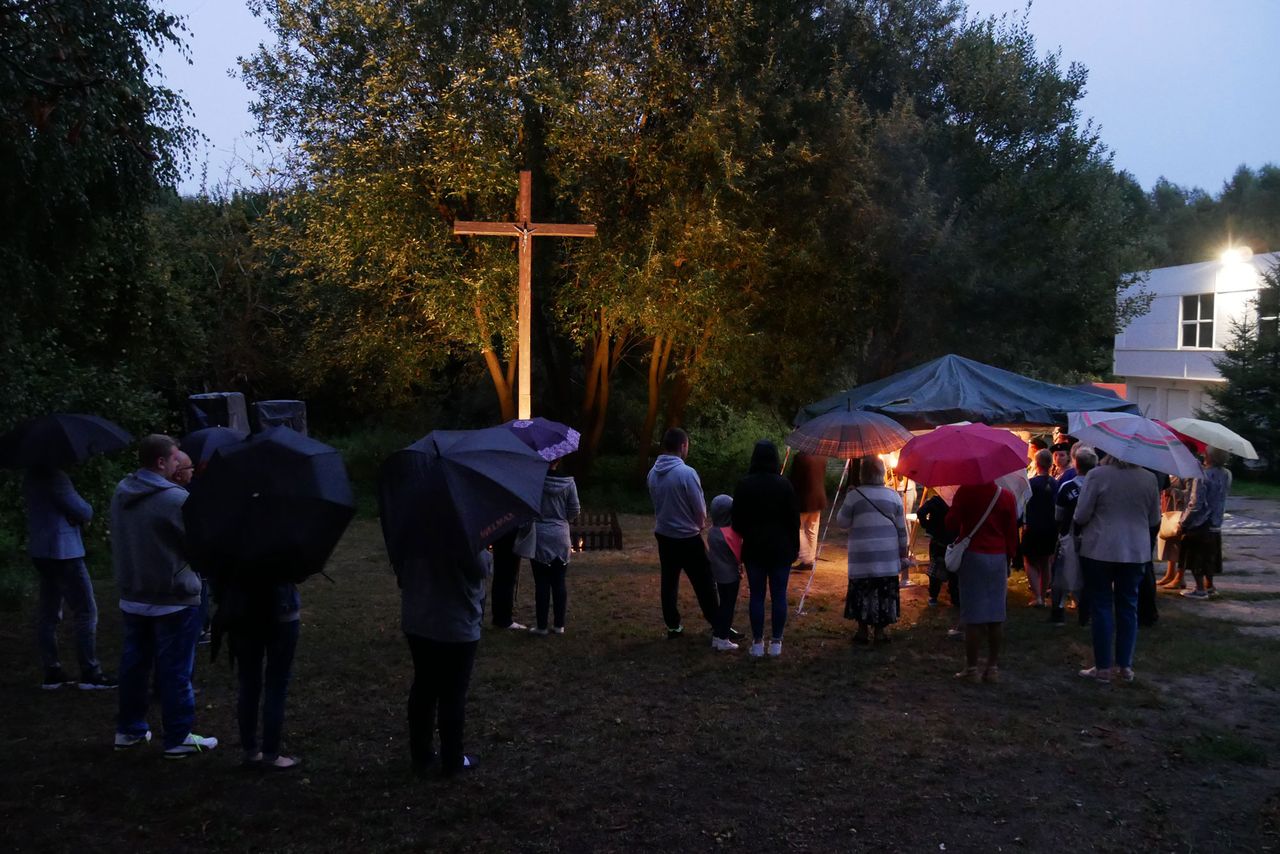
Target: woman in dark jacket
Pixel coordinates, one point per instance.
(767, 517)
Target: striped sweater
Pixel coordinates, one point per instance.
(877, 531)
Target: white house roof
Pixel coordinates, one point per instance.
(1197, 278)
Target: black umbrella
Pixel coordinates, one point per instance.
(200, 444)
(453, 492)
(60, 440)
(271, 507)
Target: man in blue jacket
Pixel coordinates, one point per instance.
(680, 514)
(55, 515)
(159, 600)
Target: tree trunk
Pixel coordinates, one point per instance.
(659, 357)
(683, 387)
(502, 383)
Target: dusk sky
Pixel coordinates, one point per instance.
(1183, 89)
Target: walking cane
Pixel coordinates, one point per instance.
(783, 470)
(818, 551)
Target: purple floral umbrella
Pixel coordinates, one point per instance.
(551, 439)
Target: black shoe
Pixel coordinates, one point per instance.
(97, 682)
(55, 678)
(672, 634)
(205, 638)
(735, 635)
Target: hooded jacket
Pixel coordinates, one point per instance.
(766, 512)
(679, 508)
(724, 546)
(559, 505)
(148, 549)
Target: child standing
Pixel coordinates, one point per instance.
(724, 550)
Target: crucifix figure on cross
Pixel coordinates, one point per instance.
(524, 231)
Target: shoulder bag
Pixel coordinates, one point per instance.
(955, 551)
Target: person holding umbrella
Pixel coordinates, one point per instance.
(809, 479)
(1118, 513)
(443, 500)
(988, 516)
(55, 515)
(45, 446)
(1201, 523)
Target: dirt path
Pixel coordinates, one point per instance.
(1251, 562)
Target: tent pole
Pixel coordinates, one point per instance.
(818, 551)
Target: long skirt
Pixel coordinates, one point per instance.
(984, 584)
(1202, 551)
(873, 601)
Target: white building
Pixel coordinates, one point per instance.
(1166, 356)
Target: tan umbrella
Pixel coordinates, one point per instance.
(1216, 436)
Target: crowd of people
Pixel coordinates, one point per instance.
(1084, 531)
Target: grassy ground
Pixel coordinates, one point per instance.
(1255, 488)
(613, 738)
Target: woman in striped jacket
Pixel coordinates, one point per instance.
(872, 512)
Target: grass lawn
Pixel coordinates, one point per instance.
(1255, 488)
(613, 738)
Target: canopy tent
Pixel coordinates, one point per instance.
(954, 388)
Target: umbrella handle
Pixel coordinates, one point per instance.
(818, 551)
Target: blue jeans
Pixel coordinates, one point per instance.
(276, 644)
(1113, 609)
(776, 579)
(167, 644)
(67, 580)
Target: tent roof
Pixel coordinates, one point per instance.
(954, 388)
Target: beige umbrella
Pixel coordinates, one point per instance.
(1216, 436)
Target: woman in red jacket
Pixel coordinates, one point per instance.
(990, 515)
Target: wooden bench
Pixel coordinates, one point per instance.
(595, 532)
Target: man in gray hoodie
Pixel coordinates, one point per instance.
(680, 514)
(159, 600)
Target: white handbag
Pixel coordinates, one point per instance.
(955, 551)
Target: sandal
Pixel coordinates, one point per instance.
(1103, 676)
(969, 674)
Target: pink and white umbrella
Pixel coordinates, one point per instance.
(1134, 439)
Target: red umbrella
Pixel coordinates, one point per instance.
(1194, 445)
(968, 454)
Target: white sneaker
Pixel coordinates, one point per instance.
(124, 742)
(723, 644)
(775, 648)
(757, 649)
(190, 746)
(558, 629)
(517, 627)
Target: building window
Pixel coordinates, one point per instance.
(1268, 314)
(1197, 321)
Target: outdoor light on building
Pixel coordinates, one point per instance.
(1236, 254)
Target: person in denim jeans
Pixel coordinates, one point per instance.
(55, 515)
(262, 622)
(1118, 513)
(766, 514)
(159, 601)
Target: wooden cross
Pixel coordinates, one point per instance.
(524, 231)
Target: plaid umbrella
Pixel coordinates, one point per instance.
(849, 433)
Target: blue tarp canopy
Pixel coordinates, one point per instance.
(954, 388)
